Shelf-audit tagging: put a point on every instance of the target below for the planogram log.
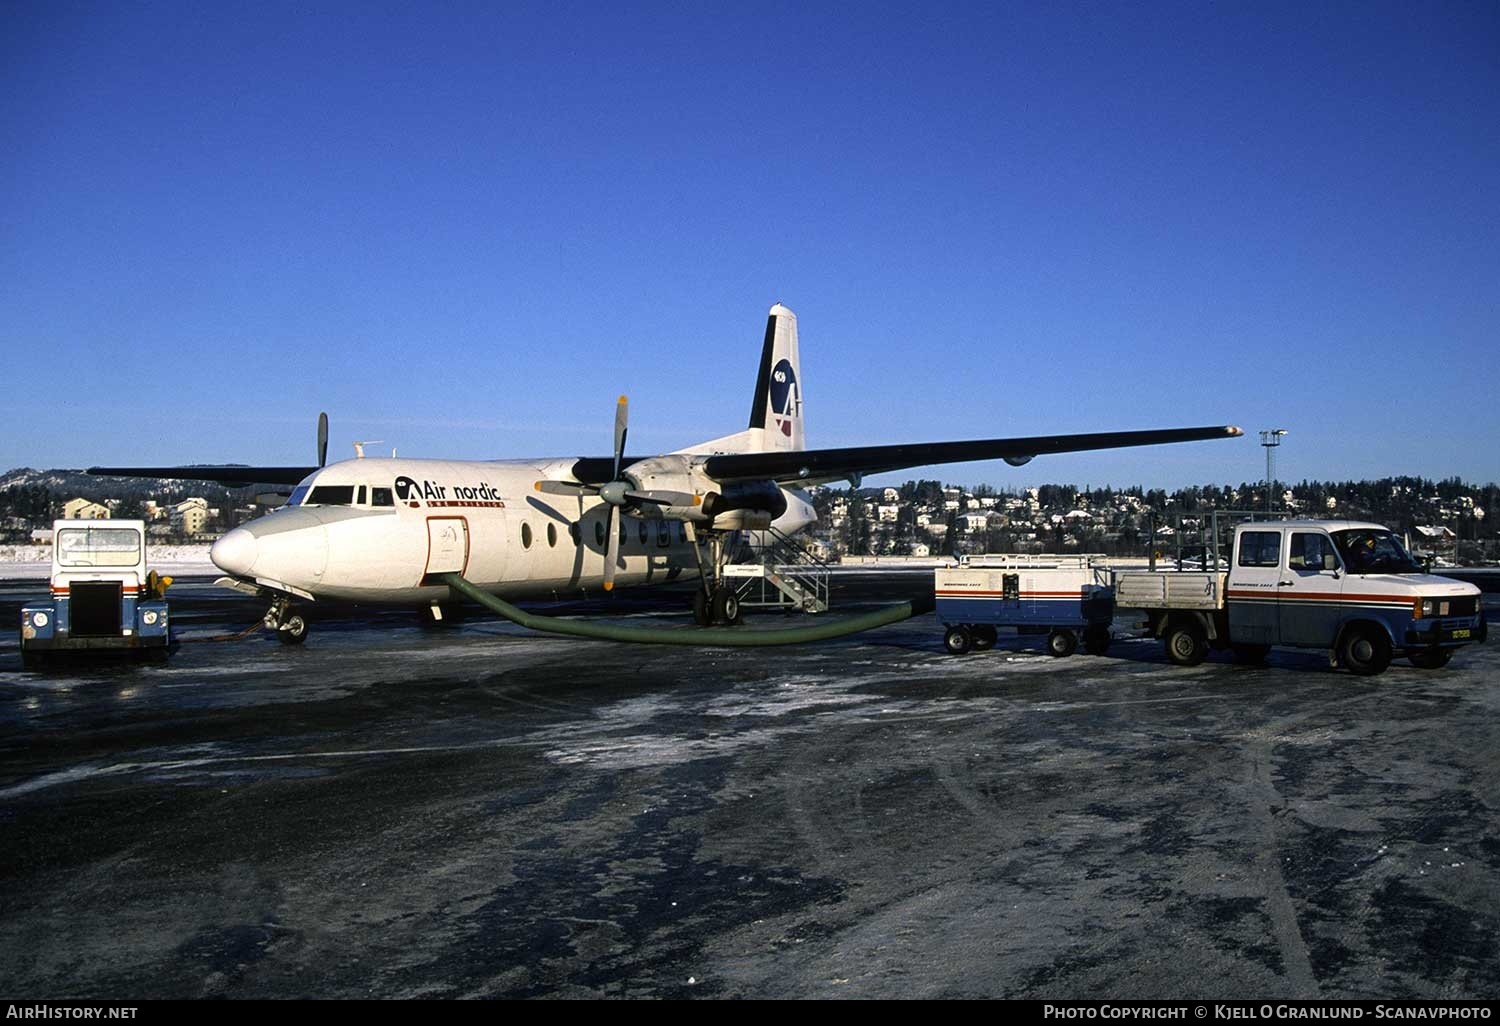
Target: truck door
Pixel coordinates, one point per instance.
(1311, 589)
(1254, 581)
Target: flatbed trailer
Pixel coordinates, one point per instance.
(1065, 598)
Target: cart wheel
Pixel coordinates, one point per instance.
(1186, 645)
(1096, 640)
(957, 640)
(1061, 643)
(985, 637)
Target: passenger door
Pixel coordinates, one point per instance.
(447, 546)
(1254, 581)
(1311, 591)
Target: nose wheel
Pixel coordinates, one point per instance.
(290, 626)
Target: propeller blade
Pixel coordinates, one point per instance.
(612, 553)
(622, 417)
(565, 488)
(322, 438)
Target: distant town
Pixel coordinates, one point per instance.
(1446, 519)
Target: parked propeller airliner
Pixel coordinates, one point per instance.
(384, 531)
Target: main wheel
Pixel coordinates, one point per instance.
(1061, 643)
(984, 636)
(1430, 658)
(957, 641)
(293, 630)
(702, 613)
(1186, 645)
(726, 606)
(1365, 651)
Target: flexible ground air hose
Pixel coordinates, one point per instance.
(726, 637)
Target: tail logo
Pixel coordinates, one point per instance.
(785, 401)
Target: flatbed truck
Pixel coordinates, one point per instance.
(1347, 587)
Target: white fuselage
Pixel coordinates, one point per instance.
(384, 530)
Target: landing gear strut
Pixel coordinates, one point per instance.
(714, 601)
(290, 627)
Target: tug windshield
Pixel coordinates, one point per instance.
(98, 546)
(1367, 550)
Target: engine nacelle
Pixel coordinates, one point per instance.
(692, 495)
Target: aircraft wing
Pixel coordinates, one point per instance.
(811, 466)
(228, 476)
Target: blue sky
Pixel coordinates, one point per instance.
(464, 229)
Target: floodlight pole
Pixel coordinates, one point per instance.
(1271, 439)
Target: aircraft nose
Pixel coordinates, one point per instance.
(235, 552)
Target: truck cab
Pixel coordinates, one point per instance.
(103, 598)
(1349, 587)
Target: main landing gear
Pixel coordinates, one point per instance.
(715, 601)
(290, 626)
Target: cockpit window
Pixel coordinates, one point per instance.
(298, 494)
(331, 495)
(381, 497)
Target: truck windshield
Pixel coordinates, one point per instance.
(1366, 550)
(98, 546)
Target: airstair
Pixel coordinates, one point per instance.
(777, 573)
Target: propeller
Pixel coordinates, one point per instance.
(322, 439)
(618, 493)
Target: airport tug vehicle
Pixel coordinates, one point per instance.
(1065, 598)
(104, 599)
(1347, 587)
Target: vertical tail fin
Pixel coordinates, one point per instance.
(776, 411)
(776, 408)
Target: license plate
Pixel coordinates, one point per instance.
(1460, 634)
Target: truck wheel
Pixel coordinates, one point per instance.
(1061, 643)
(293, 631)
(957, 640)
(1251, 655)
(1365, 652)
(985, 637)
(1430, 658)
(1186, 645)
(1096, 640)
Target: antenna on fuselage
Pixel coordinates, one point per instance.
(359, 447)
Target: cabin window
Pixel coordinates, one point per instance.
(525, 536)
(622, 530)
(643, 532)
(332, 495)
(1260, 548)
(575, 533)
(663, 533)
(381, 497)
(599, 531)
(551, 536)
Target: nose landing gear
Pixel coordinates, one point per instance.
(290, 626)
